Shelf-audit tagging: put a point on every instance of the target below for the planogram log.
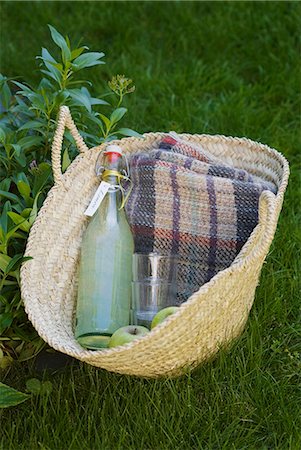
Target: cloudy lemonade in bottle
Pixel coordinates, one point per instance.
(105, 270)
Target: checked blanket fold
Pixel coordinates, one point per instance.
(187, 202)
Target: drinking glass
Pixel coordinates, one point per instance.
(155, 267)
(149, 298)
(154, 285)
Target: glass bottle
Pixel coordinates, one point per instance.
(105, 270)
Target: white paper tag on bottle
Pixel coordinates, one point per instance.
(97, 198)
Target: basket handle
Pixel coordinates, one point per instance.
(262, 235)
(64, 121)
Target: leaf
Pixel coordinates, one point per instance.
(111, 137)
(60, 42)
(33, 386)
(41, 178)
(26, 212)
(51, 64)
(15, 234)
(105, 120)
(128, 132)
(5, 362)
(54, 71)
(31, 125)
(3, 300)
(60, 97)
(51, 75)
(3, 219)
(46, 56)
(30, 141)
(10, 396)
(5, 184)
(45, 85)
(66, 160)
(95, 119)
(24, 189)
(19, 220)
(9, 195)
(117, 115)
(6, 95)
(69, 137)
(34, 211)
(98, 101)
(78, 51)
(80, 82)
(21, 177)
(10, 283)
(68, 42)
(88, 60)
(4, 261)
(16, 262)
(85, 91)
(37, 101)
(21, 106)
(23, 87)
(2, 135)
(21, 159)
(17, 149)
(80, 98)
(5, 321)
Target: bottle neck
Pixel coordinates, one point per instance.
(112, 212)
(113, 200)
(112, 175)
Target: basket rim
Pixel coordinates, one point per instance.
(254, 146)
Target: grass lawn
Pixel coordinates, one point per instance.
(206, 67)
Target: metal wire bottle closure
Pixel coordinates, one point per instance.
(109, 173)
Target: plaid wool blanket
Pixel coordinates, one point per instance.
(185, 201)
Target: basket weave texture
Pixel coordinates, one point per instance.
(211, 317)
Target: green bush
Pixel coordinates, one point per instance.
(27, 124)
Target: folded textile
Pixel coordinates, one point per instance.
(187, 202)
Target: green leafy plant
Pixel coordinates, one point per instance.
(11, 397)
(27, 124)
(37, 387)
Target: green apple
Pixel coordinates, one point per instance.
(127, 334)
(163, 314)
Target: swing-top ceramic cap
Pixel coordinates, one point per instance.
(113, 149)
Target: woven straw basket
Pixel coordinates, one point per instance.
(211, 317)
